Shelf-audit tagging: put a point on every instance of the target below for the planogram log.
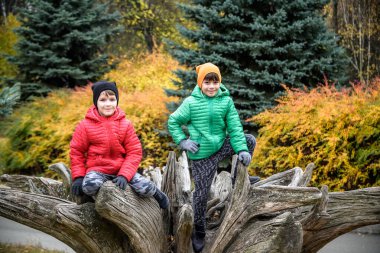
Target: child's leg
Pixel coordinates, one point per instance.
(227, 151)
(93, 181)
(251, 143)
(143, 186)
(203, 173)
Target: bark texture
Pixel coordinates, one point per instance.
(278, 214)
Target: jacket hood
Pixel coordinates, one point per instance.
(93, 114)
(197, 92)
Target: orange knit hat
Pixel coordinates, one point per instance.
(204, 69)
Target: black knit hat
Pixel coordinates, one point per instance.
(101, 86)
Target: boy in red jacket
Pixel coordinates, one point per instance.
(105, 147)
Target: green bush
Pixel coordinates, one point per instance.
(9, 97)
(339, 131)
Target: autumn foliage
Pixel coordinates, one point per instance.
(338, 130)
(7, 39)
(38, 134)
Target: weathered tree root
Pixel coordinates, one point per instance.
(278, 214)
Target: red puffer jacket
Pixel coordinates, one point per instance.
(108, 145)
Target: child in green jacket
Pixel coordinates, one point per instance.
(215, 133)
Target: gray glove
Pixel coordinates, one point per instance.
(245, 158)
(189, 145)
(76, 187)
(121, 182)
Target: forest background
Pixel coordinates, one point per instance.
(304, 76)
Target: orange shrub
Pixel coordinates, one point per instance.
(144, 72)
(338, 130)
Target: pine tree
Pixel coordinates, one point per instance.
(9, 97)
(62, 41)
(259, 45)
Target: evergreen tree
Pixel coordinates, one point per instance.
(259, 45)
(9, 97)
(62, 40)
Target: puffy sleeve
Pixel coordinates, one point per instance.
(78, 151)
(235, 129)
(133, 156)
(177, 119)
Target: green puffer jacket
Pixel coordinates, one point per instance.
(209, 120)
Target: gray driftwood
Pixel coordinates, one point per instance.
(278, 214)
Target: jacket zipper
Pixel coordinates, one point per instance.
(109, 132)
(211, 121)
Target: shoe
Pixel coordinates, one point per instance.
(198, 239)
(254, 179)
(162, 199)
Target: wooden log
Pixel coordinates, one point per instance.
(65, 174)
(169, 187)
(277, 214)
(283, 178)
(185, 226)
(38, 185)
(297, 176)
(281, 234)
(339, 213)
(139, 218)
(157, 177)
(306, 176)
(183, 181)
(176, 184)
(217, 207)
(80, 227)
(248, 203)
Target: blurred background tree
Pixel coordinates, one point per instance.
(146, 24)
(61, 42)
(357, 22)
(7, 40)
(10, 7)
(9, 95)
(258, 45)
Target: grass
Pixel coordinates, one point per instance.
(17, 248)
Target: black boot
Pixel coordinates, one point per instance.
(162, 199)
(84, 199)
(198, 238)
(254, 179)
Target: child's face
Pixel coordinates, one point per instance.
(106, 104)
(210, 87)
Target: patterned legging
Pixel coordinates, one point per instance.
(203, 173)
(94, 180)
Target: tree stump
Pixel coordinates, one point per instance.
(278, 214)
